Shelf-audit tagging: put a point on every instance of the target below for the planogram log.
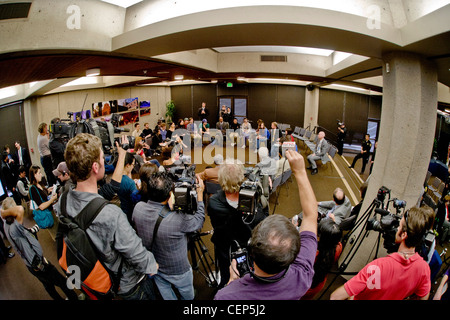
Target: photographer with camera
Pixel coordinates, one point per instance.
(25, 242)
(57, 146)
(121, 250)
(282, 265)
(400, 275)
(227, 221)
(165, 232)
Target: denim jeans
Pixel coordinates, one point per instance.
(182, 282)
(144, 290)
(51, 278)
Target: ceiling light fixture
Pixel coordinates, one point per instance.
(123, 3)
(179, 77)
(81, 82)
(8, 92)
(349, 87)
(93, 72)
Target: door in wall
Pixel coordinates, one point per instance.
(238, 106)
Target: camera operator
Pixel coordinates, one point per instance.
(283, 261)
(166, 232)
(399, 275)
(342, 133)
(25, 242)
(226, 220)
(57, 146)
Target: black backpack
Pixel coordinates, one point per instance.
(75, 248)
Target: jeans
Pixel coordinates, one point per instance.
(51, 278)
(144, 290)
(47, 165)
(182, 282)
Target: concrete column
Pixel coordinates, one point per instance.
(311, 107)
(407, 128)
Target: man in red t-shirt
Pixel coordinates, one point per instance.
(399, 275)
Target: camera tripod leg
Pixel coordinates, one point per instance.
(198, 249)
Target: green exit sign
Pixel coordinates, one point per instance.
(229, 84)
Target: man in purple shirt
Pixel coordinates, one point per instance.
(283, 261)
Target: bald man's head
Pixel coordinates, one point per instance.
(339, 196)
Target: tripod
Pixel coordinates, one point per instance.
(200, 254)
(362, 234)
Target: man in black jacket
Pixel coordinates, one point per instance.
(230, 225)
(22, 156)
(203, 112)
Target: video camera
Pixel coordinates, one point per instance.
(389, 222)
(185, 192)
(67, 129)
(250, 192)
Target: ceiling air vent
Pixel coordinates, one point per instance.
(265, 58)
(17, 10)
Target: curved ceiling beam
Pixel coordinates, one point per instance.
(261, 25)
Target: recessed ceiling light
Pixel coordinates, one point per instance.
(8, 92)
(93, 72)
(179, 77)
(123, 3)
(81, 81)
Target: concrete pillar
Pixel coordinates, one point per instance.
(311, 107)
(407, 128)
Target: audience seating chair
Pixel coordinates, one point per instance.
(435, 184)
(296, 133)
(440, 189)
(285, 176)
(427, 178)
(275, 184)
(331, 153)
(307, 136)
(429, 201)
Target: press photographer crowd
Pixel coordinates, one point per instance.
(129, 209)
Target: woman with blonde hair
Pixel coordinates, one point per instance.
(226, 218)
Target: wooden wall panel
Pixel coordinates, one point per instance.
(262, 102)
(290, 105)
